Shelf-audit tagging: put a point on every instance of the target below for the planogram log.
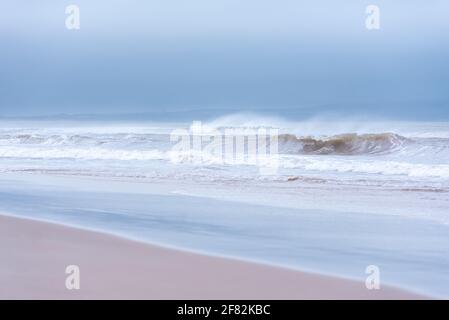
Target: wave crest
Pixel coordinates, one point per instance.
(344, 144)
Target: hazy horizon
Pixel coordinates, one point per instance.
(290, 59)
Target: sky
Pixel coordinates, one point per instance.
(181, 58)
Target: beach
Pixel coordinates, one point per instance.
(337, 204)
(410, 253)
(35, 256)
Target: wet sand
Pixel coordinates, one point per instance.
(34, 257)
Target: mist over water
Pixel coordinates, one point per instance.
(169, 61)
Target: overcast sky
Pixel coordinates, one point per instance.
(225, 56)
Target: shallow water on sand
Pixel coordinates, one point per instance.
(410, 252)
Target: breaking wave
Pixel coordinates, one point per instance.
(132, 145)
(371, 152)
(344, 144)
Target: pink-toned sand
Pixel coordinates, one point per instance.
(34, 256)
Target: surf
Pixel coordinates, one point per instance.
(344, 144)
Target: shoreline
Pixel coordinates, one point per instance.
(195, 251)
(36, 253)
